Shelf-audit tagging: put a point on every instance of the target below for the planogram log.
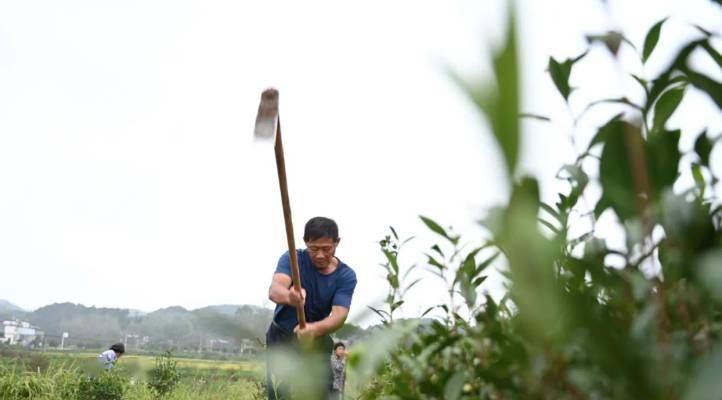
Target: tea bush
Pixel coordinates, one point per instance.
(164, 376)
(581, 320)
(105, 385)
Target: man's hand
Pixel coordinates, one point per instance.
(282, 292)
(296, 298)
(308, 333)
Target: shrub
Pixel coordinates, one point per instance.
(164, 376)
(580, 320)
(105, 385)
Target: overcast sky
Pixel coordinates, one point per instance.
(128, 175)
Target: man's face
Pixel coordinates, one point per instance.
(322, 251)
(340, 350)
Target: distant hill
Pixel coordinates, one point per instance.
(8, 306)
(136, 313)
(225, 327)
(224, 309)
(9, 310)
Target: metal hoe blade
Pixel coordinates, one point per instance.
(267, 118)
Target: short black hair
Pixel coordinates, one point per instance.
(337, 345)
(118, 348)
(320, 227)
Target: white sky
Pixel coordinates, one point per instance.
(128, 175)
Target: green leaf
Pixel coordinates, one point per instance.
(393, 280)
(650, 41)
(703, 30)
(381, 313)
(703, 148)
(409, 270)
(629, 42)
(560, 73)
(392, 261)
(435, 263)
(708, 85)
(665, 106)
(612, 40)
(412, 284)
(484, 264)
(604, 131)
(674, 73)
(549, 225)
(501, 105)
(642, 83)
(679, 69)
(535, 116)
(437, 249)
(619, 100)
(699, 179)
(435, 227)
(575, 175)
(716, 56)
(454, 385)
(583, 238)
(551, 211)
(622, 156)
(662, 153)
(661, 84)
(601, 206)
(504, 111)
(428, 310)
(394, 232)
(697, 175)
(478, 281)
(469, 265)
(494, 219)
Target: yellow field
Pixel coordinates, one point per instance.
(146, 362)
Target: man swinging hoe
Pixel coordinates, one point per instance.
(311, 287)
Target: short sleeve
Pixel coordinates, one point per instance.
(345, 289)
(284, 264)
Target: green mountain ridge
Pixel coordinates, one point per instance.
(171, 327)
(224, 327)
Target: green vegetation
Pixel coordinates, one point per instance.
(581, 319)
(164, 376)
(34, 375)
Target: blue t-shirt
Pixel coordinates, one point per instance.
(322, 291)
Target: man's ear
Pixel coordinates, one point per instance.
(338, 241)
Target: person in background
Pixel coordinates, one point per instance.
(338, 367)
(108, 358)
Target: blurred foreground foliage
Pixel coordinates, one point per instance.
(580, 320)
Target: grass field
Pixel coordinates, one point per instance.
(55, 375)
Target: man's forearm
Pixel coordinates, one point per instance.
(329, 324)
(279, 294)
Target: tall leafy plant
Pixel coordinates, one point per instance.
(582, 320)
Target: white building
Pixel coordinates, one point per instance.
(20, 332)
